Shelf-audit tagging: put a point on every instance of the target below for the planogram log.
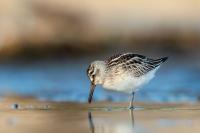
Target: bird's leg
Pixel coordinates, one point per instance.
(131, 102)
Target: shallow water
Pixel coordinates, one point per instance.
(147, 121)
(98, 118)
(67, 81)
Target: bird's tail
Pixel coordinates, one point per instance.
(163, 59)
(158, 62)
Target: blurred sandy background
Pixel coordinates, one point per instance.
(57, 28)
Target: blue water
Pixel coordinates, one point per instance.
(67, 81)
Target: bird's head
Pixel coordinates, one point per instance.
(95, 72)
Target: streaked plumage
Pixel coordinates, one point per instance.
(124, 72)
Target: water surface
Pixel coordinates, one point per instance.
(67, 81)
(97, 118)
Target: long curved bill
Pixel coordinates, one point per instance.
(92, 87)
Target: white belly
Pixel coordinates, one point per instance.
(127, 83)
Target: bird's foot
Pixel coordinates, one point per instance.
(131, 107)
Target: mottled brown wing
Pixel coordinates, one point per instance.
(134, 63)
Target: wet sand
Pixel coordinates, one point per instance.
(31, 116)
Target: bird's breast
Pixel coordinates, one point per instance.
(122, 83)
(126, 82)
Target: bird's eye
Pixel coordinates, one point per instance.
(91, 70)
(93, 76)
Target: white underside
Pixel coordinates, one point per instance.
(127, 83)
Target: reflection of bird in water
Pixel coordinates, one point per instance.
(92, 125)
(123, 72)
(132, 118)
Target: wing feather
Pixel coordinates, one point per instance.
(137, 64)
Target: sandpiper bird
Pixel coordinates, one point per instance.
(123, 72)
